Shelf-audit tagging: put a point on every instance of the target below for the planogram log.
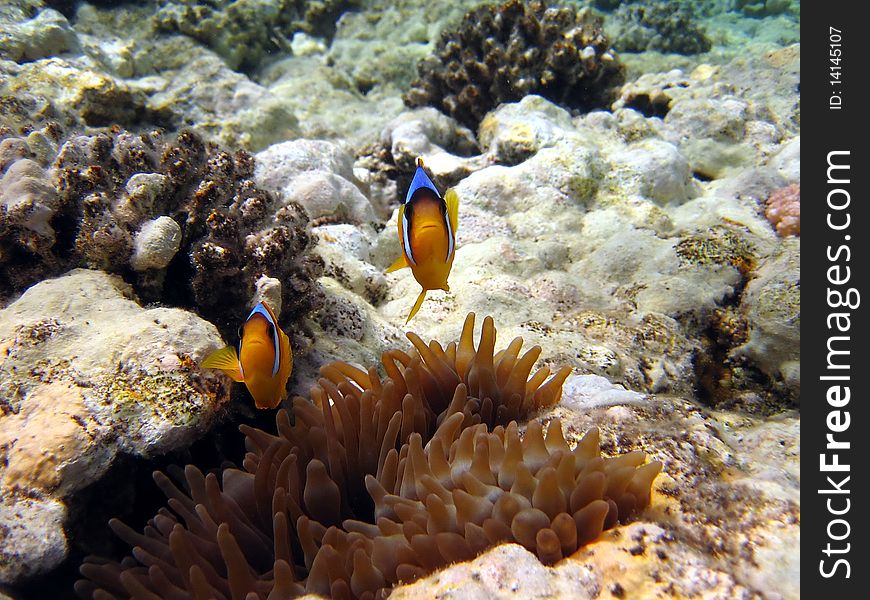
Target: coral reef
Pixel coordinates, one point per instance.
(725, 522)
(783, 210)
(178, 217)
(502, 53)
(347, 502)
(224, 106)
(630, 244)
(28, 201)
(388, 164)
(787, 160)
(659, 26)
(318, 175)
(766, 8)
(772, 306)
(627, 250)
(87, 374)
(82, 92)
(108, 69)
(354, 85)
(156, 244)
(515, 131)
(32, 540)
(724, 118)
(379, 46)
(242, 32)
(47, 33)
(653, 94)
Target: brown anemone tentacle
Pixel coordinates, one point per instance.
(376, 481)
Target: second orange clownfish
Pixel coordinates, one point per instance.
(427, 233)
(264, 360)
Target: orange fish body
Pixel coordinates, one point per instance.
(427, 233)
(264, 362)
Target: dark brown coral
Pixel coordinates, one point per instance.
(381, 481)
(503, 53)
(103, 189)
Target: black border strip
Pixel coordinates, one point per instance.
(835, 256)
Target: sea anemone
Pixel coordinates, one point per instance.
(380, 481)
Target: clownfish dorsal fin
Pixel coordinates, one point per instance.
(227, 360)
(419, 181)
(451, 198)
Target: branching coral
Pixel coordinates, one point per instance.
(380, 481)
(177, 217)
(500, 54)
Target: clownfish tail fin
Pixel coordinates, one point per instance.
(225, 360)
(417, 305)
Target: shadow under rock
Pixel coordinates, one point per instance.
(128, 492)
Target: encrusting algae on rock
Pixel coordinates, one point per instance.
(381, 481)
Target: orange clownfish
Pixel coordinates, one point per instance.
(427, 234)
(264, 361)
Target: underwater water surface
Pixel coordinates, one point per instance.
(322, 297)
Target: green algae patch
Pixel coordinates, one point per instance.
(161, 395)
(717, 247)
(147, 404)
(782, 301)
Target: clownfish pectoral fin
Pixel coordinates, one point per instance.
(451, 198)
(417, 305)
(226, 360)
(399, 263)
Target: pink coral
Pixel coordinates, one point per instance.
(784, 210)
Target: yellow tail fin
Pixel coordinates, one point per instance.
(226, 360)
(417, 305)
